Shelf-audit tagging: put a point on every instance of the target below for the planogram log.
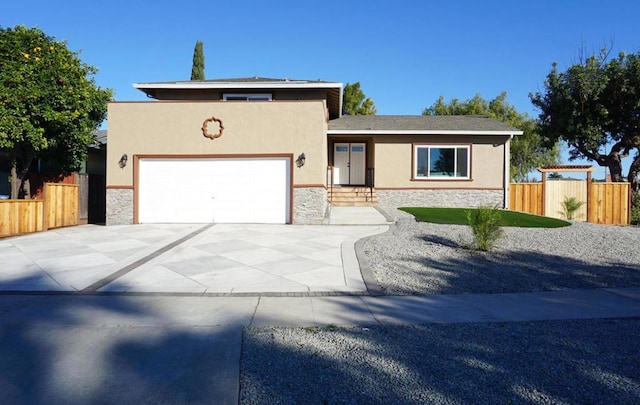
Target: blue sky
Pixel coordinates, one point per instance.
(404, 53)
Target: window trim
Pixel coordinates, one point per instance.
(414, 160)
(261, 96)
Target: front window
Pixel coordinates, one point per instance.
(441, 162)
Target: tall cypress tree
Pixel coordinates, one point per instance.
(197, 70)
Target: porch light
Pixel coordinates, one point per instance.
(123, 160)
(300, 160)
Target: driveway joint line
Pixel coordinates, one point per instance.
(255, 311)
(93, 288)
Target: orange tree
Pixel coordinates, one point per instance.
(49, 103)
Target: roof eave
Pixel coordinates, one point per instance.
(420, 132)
(237, 85)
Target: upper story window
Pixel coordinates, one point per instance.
(246, 97)
(442, 162)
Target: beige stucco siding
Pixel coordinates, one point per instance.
(393, 161)
(174, 128)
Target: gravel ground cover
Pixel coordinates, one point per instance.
(547, 362)
(425, 258)
(550, 362)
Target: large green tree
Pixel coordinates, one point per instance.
(355, 102)
(594, 108)
(197, 68)
(528, 150)
(49, 103)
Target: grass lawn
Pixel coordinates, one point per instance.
(458, 216)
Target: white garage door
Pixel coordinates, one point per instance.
(221, 190)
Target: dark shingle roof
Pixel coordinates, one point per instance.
(418, 123)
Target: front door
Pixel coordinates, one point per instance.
(349, 163)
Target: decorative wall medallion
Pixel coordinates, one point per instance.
(212, 128)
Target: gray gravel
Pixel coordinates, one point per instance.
(424, 258)
(551, 362)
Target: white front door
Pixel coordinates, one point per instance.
(349, 163)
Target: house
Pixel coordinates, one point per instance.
(259, 150)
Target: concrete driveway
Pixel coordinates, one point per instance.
(188, 258)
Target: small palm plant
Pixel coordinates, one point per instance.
(570, 207)
(485, 223)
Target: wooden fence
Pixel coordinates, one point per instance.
(606, 203)
(21, 216)
(526, 197)
(610, 203)
(60, 207)
(62, 202)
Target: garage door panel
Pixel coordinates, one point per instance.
(204, 190)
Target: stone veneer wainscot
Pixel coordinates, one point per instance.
(309, 205)
(453, 198)
(119, 206)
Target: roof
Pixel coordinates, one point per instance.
(421, 124)
(239, 80)
(252, 84)
(100, 136)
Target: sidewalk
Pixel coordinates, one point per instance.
(150, 349)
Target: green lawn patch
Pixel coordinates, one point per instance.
(458, 216)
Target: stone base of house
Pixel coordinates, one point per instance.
(119, 206)
(309, 205)
(453, 198)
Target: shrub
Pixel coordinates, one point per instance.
(570, 206)
(635, 208)
(485, 224)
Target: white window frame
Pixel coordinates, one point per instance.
(455, 147)
(247, 96)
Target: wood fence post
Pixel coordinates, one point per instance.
(589, 189)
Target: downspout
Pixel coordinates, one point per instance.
(507, 173)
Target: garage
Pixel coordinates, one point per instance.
(214, 190)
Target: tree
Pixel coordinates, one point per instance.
(197, 69)
(528, 150)
(354, 101)
(49, 103)
(594, 107)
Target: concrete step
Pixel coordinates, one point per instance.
(349, 196)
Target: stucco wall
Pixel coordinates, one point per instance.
(174, 128)
(393, 161)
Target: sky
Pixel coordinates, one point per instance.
(404, 53)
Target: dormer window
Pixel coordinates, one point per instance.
(247, 97)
